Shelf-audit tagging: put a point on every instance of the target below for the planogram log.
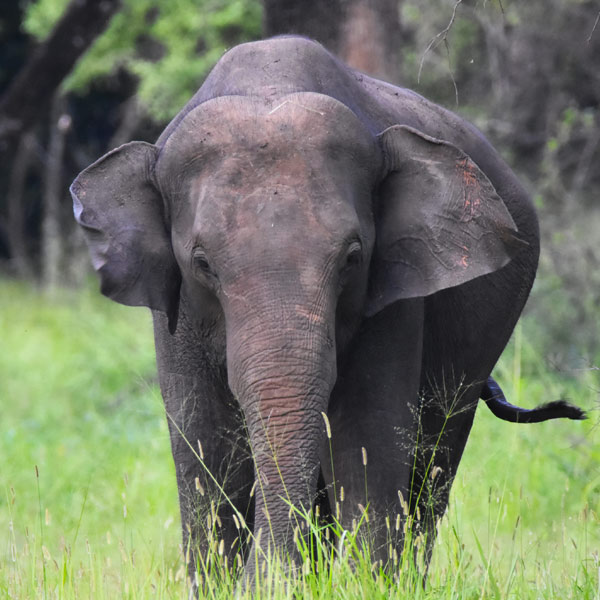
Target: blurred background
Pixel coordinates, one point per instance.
(79, 78)
(77, 377)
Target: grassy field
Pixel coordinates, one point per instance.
(88, 505)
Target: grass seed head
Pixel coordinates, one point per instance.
(403, 503)
(242, 521)
(258, 536)
(327, 425)
(435, 472)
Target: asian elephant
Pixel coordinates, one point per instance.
(334, 266)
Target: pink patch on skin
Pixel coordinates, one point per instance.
(470, 186)
(464, 260)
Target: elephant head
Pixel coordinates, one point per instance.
(289, 224)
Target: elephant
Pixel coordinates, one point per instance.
(334, 266)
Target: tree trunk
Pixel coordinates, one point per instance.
(17, 246)
(52, 238)
(131, 115)
(317, 19)
(371, 37)
(366, 34)
(82, 22)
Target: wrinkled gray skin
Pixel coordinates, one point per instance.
(312, 241)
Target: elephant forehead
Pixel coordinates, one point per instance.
(272, 212)
(244, 172)
(278, 164)
(266, 129)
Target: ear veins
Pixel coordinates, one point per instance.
(472, 200)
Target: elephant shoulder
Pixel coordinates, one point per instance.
(387, 105)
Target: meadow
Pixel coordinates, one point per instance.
(88, 501)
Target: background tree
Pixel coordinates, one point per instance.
(50, 62)
(366, 34)
(149, 60)
(526, 74)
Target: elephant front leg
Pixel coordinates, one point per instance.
(214, 474)
(209, 444)
(368, 462)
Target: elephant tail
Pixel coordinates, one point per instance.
(503, 409)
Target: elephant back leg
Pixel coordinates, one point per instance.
(466, 330)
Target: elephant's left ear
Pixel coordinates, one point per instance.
(440, 222)
(122, 214)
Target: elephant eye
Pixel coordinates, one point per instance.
(353, 255)
(352, 261)
(200, 263)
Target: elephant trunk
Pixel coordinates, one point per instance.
(282, 371)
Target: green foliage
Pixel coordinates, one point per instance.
(101, 518)
(169, 46)
(41, 16)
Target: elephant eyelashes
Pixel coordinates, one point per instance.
(201, 265)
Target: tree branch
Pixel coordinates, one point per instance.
(442, 38)
(33, 89)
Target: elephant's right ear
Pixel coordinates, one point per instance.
(122, 214)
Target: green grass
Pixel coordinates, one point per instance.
(88, 502)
